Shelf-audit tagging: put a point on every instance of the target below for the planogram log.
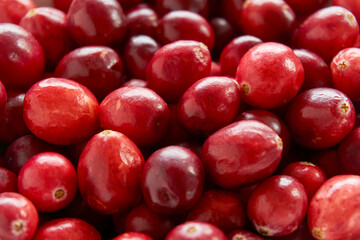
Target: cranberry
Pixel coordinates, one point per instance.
(62, 5)
(215, 69)
(3, 97)
(199, 6)
(328, 161)
(114, 185)
(243, 235)
(98, 68)
(352, 5)
(8, 181)
(270, 75)
(127, 4)
(67, 228)
(142, 21)
(135, 83)
(18, 217)
(348, 153)
(176, 66)
(172, 180)
(11, 11)
(241, 153)
(302, 233)
(138, 112)
(195, 231)
(22, 59)
(193, 146)
(95, 22)
(69, 123)
(231, 10)
(185, 25)
(132, 236)
(278, 206)
(320, 118)
(333, 211)
(224, 32)
(306, 7)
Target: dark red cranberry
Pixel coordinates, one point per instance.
(351, 5)
(176, 66)
(115, 184)
(328, 161)
(224, 32)
(137, 112)
(306, 7)
(349, 153)
(195, 231)
(98, 68)
(22, 59)
(243, 235)
(185, 25)
(320, 118)
(62, 5)
(142, 21)
(135, 83)
(3, 97)
(199, 6)
(19, 217)
(172, 180)
(132, 236)
(333, 211)
(215, 69)
(11, 11)
(8, 181)
(127, 4)
(231, 10)
(193, 146)
(241, 153)
(95, 22)
(278, 206)
(302, 233)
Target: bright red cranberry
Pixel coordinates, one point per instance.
(98, 68)
(328, 161)
(176, 66)
(172, 180)
(132, 236)
(3, 97)
(135, 83)
(75, 119)
(224, 32)
(62, 5)
(333, 211)
(8, 181)
(346, 73)
(243, 235)
(137, 112)
(349, 154)
(306, 7)
(327, 31)
(199, 6)
(320, 118)
(351, 5)
(67, 228)
(278, 206)
(22, 59)
(231, 10)
(270, 75)
(310, 176)
(115, 185)
(195, 231)
(138, 52)
(96, 22)
(241, 153)
(18, 217)
(142, 21)
(11, 11)
(185, 25)
(233, 52)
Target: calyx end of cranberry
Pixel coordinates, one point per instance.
(245, 88)
(59, 194)
(343, 65)
(191, 230)
(317, 233)
(17, 227)
(344, 108)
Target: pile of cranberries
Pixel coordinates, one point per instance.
(180, 119)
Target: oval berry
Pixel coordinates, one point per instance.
(8, 181)
(195, 231)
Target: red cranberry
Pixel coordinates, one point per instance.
(98, 68)
(11, 11)
(127, 4)
(115, 183)
(333, 211)
(142, 21)
(328, 161)
(352, 5)
(135, 83)
(185, 25)
(3, 97)
(199, 6)
(241, 153)
(132, 236)
(243, 235)
(320, 118)
(176, 66)
(62, 5)
(195, 231)
(137, 112)
(231, 10)
(193, 146)
(215, 69)
(67, 228)
(22, 59)
(172, 180)
(8, 181)
(306, 7)
(270, 75)
(302, 233)
(278, 206)
(18, 217)
(224, 32)
(75, 119)
(349, 154)
(95, 22)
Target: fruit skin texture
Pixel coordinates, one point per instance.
(18, 217)
(348, 153)
(241, 153)
(278, 206)
(132, 236)
(269, 75)
(352, 5)
(74, 120)
(195, 231)
(333, 211)
(11, 11)
(115, 185)
(320, 118)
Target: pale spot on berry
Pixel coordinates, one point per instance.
(17, 227)
(59, 194)
(191, 230)
(342, 65)
(345, 108)
(350, 17)
(245, 88)
(317, 233)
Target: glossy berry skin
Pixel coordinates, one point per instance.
(137, 112)
(8, 181)
(345, 72)
(320, 118)
(278, 206)
(243, 235)
(306, 7)
(172, 180)
(176, 66)
(195, 231)
(351, 5)
(142, 20)
(18, 217)
(165, 6)
(115, 185)
(265, 81)
(67, 228)
(132, 236)
(338, 28)
(241, 153)
(11, 11)
(185, 25)
(209, 104)
(62, 5)
(220, 208)
(22, 59)
(348, 153)
(135, 82)
(49, 180)
(95, 22)
(333, 211)
(70, 122)
(98, 68)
